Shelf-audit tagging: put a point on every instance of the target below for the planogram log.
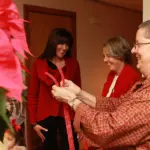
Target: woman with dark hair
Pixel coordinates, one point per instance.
(58, 36)
(117, 55)
(45, 113)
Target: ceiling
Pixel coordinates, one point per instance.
(130, 4)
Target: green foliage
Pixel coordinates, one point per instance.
(4, 119)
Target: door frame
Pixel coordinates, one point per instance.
(38, 9)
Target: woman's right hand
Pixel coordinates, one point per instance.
(38, 130)
(69, 85)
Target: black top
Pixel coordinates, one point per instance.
(51, 65)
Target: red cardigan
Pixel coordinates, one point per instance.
(41, 104)
(125, 81)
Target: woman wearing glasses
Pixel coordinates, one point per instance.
(117, 55)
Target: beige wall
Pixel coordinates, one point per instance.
(146, 10)
(95, 23)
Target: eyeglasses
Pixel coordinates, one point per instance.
(138, 45)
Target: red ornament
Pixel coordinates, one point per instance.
(15, 126)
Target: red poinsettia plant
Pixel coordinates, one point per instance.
(13, 49)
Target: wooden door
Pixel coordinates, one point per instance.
(41, 22)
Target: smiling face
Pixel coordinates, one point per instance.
(61, 50)
(113, 63)
(142, 52)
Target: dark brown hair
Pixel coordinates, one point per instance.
(57, 36)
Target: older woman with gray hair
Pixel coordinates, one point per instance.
(111, 123)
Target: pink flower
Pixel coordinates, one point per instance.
(12, 41)
(4, 4)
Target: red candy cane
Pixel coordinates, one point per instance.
(66, 110)
(67, 116)
(52, 77)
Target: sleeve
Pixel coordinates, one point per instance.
(33, 94)
(124, 127)
(107, 104)
(77, 76)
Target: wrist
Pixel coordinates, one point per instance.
(79, 93)
(77, 102)
(71, 102)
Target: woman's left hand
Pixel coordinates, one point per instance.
(62, 94)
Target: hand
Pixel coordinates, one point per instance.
(38, 129)
(62, 94)
(4, 145)
(69, 85)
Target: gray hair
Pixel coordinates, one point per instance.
(146, 26)
(119, 48)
